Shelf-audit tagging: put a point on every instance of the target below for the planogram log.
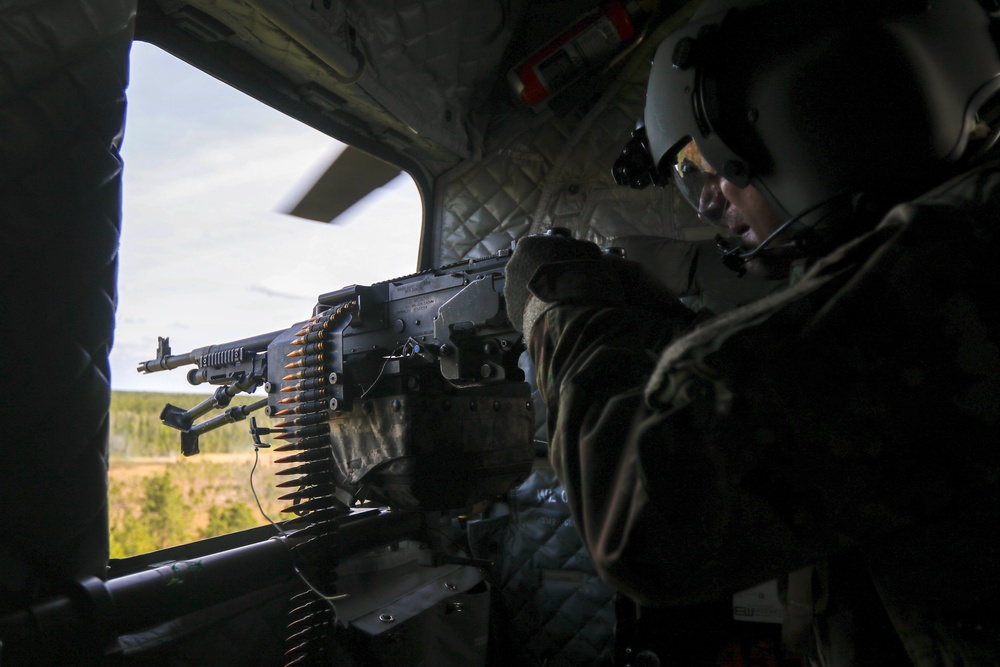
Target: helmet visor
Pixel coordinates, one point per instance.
(697, 181)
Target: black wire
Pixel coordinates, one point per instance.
(282, 533)
(734, 257)
(788, 223)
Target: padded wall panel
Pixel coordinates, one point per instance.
(551, 608)
(431, 62)
(557, 172)
(487, 204)
(63, 72)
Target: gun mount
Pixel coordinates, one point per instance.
(406, 392)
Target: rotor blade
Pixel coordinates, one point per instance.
(345, 182)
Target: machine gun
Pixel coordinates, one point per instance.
(406, 392)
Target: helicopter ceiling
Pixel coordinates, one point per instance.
(411, 85)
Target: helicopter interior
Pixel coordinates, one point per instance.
(507, 114)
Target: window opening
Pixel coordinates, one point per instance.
(207, 257)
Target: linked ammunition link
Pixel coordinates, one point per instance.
(305, 406)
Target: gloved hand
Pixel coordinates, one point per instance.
(549, 268)
(532, 252)
(612, 281)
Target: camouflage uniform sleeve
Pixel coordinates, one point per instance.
(652, 497)
(810, 422)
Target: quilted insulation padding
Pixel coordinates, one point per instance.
(63, 72)
(550, 607)
(425, 64)
(430, 62)
(485, 205)
(556, 171)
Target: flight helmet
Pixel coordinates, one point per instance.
(816, 102)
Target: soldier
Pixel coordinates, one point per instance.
(839, 432)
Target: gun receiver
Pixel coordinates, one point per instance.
(393, 391)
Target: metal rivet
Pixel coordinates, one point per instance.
(450, 586)
(386, 617)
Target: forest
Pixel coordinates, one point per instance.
(159, 498)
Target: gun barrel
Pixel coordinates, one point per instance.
(168, 362)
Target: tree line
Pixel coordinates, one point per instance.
(180, 499)
(136, 429)
(158, 516)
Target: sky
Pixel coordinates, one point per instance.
(205, 255)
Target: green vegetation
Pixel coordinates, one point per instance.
(129, 535)
(136, 429)
(230, 518)
(158, 498)
(163, 509)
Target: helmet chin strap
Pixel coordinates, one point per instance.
(735, 256)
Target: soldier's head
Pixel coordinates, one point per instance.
(794, 117)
